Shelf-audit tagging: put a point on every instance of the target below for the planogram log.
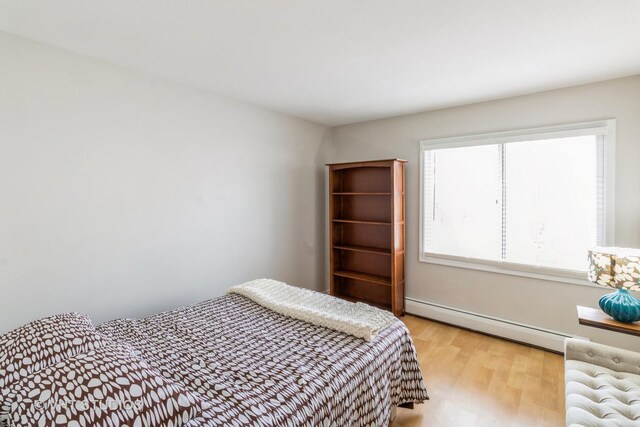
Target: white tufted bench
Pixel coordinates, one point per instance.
(602, 385)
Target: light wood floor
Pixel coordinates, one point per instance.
(478, 380)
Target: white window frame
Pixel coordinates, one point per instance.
(605, 128)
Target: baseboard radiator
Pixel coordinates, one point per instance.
(528, 334)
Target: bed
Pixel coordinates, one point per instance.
(249, 365)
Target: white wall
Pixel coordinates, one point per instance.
(535, 302)
(123, 194)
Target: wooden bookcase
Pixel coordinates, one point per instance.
(367, 226)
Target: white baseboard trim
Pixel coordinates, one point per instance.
(540, 337)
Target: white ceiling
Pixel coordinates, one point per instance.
(342, 61)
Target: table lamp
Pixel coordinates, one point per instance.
(617, 268)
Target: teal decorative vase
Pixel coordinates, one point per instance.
(622, 306)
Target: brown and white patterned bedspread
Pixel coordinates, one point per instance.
(259, 368)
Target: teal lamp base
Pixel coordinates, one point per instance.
(621, 305)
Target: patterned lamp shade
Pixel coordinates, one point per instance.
(601, 267)
(615, 267)
(627, 272)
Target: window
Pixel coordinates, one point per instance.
(526, 202)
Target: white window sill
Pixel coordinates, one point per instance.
(498, 268)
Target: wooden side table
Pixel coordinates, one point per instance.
(598, 319)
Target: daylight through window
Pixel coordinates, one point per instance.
(531, 200)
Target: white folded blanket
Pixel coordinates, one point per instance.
(357, 319)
